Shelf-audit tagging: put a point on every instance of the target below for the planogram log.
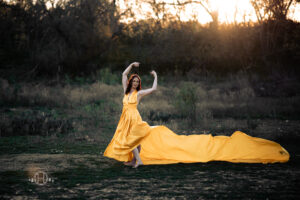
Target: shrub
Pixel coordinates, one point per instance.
(185, 102)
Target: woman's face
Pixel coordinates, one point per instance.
(135, 82)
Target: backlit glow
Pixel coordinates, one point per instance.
(229, 11)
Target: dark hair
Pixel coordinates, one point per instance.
(129, 83)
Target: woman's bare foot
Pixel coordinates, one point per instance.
(137, 164)
(130, 163)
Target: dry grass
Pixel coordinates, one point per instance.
(38, 94)
(94, 109)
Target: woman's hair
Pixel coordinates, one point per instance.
(129, 83)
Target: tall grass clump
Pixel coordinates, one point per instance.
(106, 76)
(156, 108)
(185, 102)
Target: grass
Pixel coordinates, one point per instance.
(110, 179)
(65, 129)
(83, 108)
(49, 145)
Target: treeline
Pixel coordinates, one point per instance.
(78, 38)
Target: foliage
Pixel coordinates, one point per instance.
(84, 37)
(106, 76)
(39, 121)
(66, 38)
(271, 9)
(95, 108)
(185, 101)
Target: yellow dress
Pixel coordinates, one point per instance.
(160, 145)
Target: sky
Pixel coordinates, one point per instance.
(229, 10)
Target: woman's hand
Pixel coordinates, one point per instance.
(126, 72)
(153, 73)
(145, 92)
(135, 64)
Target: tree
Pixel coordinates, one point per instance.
(159, 7)
(272, 9)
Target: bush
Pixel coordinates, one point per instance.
(106, 76)
(185, 102)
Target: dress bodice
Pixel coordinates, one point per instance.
(130, 100)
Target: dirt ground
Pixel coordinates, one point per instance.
(85, 176)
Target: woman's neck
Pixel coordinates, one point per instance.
(132, 90)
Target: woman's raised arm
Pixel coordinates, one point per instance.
(142, 93)
(126, 72)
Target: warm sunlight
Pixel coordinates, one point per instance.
(234, 10)
(229, 11)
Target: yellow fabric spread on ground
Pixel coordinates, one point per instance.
(160, 145)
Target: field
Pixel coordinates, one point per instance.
(63, 129)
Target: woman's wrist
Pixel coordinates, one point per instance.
(129, 67)
(127, 70)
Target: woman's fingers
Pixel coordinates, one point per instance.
(153, 72)
(136, 64)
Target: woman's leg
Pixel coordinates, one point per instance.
(139, 148)
(137, 157)
(133, 161)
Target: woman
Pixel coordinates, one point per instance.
(136, 143)
(125, 140)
